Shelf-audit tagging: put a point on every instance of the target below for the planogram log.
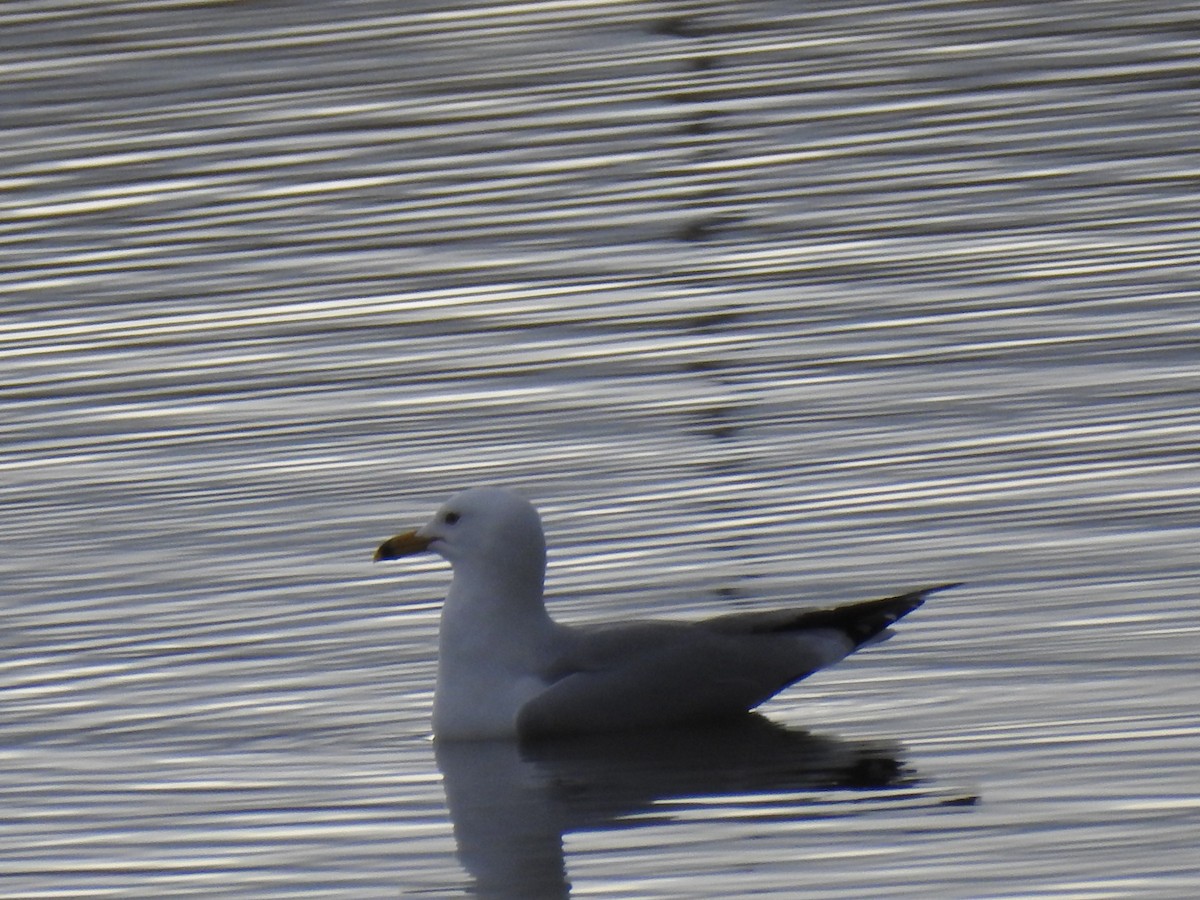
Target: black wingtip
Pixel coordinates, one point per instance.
(896, 608)
(863, 621)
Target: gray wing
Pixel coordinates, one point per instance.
(655, 674)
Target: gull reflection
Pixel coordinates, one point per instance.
(511, 804)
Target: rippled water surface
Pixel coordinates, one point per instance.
(761, 303)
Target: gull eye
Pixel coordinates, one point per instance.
(451, 518)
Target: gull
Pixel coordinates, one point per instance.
(508, 670)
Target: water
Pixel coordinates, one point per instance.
(762, 305)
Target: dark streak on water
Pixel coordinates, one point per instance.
(762, 303)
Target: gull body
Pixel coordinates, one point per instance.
(506, 669)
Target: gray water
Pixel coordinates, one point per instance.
(762, 304)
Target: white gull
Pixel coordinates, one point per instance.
(506, 669)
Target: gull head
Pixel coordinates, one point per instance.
(490, 531)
